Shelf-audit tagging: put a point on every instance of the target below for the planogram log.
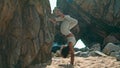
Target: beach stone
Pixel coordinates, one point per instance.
(110, 47)
(96, 47)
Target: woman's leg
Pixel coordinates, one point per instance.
(71, 43)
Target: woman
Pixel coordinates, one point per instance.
(67, 24)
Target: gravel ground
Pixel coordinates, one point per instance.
(81, 62)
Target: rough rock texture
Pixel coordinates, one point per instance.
(110, 47)
(96, 47)
(111, 39)
(25, 34)
(97, 18)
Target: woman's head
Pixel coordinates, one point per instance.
(57, 11)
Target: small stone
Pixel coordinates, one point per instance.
(118, 57)
(96, 47)
(114, 54)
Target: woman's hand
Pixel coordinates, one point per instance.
(52, 20)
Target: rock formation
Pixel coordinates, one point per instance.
(26, 35)
(97, 18)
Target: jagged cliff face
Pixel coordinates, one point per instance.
(97, 18)
(25, 34)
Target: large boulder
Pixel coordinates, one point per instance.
(26, 35)
(111, 39)
(110, 47)
(118, 57)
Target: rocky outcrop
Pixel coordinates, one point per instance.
(97, 18)
(110, 47)
(26, 35)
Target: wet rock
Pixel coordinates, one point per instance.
(96, 53)
(81, 54)
(114, 54)
(118, 57)
(110, 47)
(92, 53)
(111, 39)
(96, 47)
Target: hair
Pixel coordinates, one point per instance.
(65, 52)
(56, 9)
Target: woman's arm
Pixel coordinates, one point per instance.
(59, 18)
(52, 20)
(56, 19)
